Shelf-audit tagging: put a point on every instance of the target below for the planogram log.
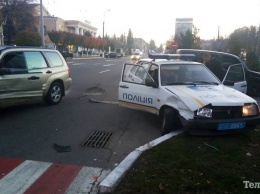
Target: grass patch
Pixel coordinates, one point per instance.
(188, 164)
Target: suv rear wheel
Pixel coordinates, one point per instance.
(54, 95)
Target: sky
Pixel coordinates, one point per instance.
(155, 19)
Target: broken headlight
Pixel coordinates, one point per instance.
(204, 112)
(250, 110)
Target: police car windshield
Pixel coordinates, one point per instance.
(186, 74)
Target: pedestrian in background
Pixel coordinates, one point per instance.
(213, 65)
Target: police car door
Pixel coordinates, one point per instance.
(133, 93)
(234, 73)
(235, 78)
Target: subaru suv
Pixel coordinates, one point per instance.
(30, 74)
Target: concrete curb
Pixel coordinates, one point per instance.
(115, 176)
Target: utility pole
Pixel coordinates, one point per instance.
(42, 25)
(103, 51)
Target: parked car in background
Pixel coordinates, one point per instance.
(105, 54)
(32, 74)
(236, 73)
(111, 55)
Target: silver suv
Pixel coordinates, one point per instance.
(30, 74)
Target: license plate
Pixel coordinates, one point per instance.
(227, 126)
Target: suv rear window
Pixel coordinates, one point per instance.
(54, 59)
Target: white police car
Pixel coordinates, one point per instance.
(186, 95)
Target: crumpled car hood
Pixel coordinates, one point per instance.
(198, 96)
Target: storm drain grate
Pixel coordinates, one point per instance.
(98, 139)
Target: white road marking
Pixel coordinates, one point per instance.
(104, 71)
(78, 63)
(22, 177)
(87, 180)
(108, 65)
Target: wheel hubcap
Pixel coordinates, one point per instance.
(56, 94)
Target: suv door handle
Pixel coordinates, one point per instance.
(123, 86)
(48, 71)
(33, 78)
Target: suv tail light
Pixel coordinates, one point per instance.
(69, 71)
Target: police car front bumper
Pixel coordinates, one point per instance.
(221, 126)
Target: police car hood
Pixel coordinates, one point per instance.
(197, 96)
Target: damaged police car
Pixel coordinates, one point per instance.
(185, 94)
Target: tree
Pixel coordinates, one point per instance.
(252, 61)
(25, 38)
(130, 41)
(152, 45)
(186, 40)
(171, 45)
(243, 38)
(189, 39)
(18, 15)
(55, 37)
(160, 49)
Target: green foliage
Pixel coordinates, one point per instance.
(55, 36)
(66, 38)
(234, 44)
(192, 164)
(187, 40)
(160, 49)
(19, 16)
(130, 40)
(243, 38)
(252, 61)
(25, 38)
(152, 45)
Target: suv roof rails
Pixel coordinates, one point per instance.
(5, 47)
(172, 56)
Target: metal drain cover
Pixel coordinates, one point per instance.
(98, 139)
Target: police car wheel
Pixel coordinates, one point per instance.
(168, 121)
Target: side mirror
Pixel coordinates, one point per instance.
(229, 83)
(151, 83)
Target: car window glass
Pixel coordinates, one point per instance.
(235, 73)
(14, 62)
(141, 71)
(54, 59)
(153, 73)
(35, 60)
(227, 61)
(137, 77)
(174, 74)
(133, 69)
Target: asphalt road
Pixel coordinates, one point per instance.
(29, 132)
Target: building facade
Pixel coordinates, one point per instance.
(182, 25)
(52, 23)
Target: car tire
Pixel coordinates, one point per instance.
(168, 121)
(54, 95)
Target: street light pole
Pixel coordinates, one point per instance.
(103, 51)
(41, 25)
